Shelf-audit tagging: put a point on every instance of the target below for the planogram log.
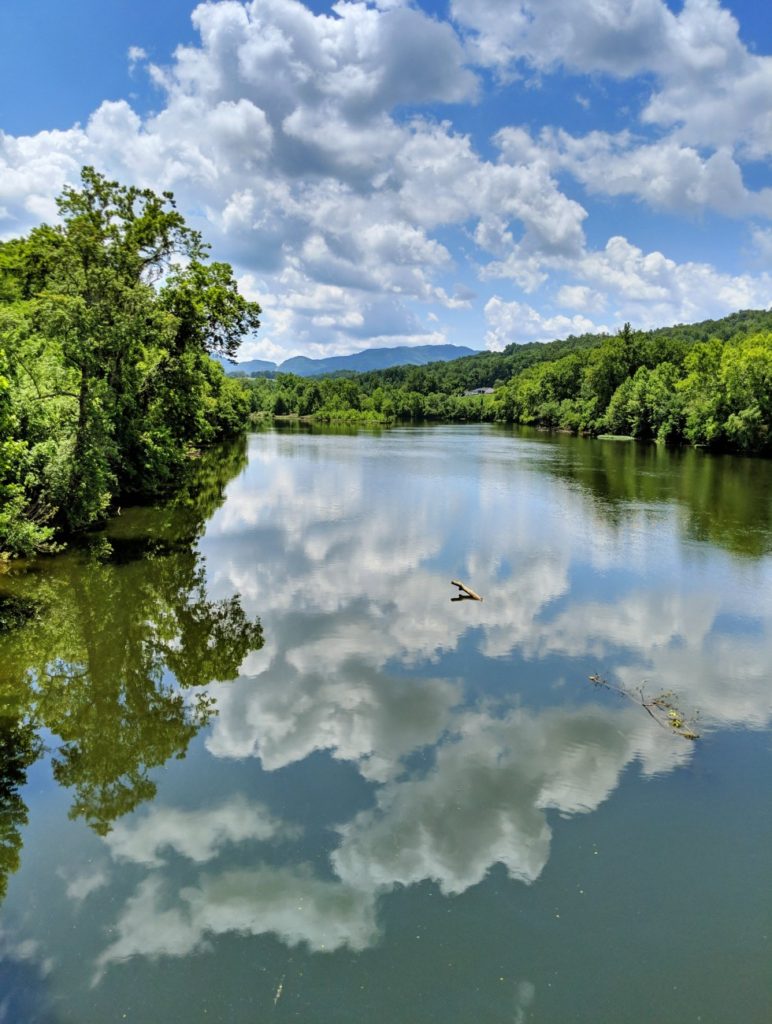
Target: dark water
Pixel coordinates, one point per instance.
(376, 804)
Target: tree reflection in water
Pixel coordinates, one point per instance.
(126, 631)
(19, 748)
(724, 499)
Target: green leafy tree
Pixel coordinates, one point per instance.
(746, 376)
(647, 405)
(702, 393)
(108, 320)
(606, 368)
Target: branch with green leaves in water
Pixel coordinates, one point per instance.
(662, 708)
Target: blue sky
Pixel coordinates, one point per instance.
(478, 172)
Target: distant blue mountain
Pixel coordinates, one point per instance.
(248, 366)
(358, 362)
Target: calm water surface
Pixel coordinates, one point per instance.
(257, 766)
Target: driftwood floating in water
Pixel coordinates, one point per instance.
(464, 592)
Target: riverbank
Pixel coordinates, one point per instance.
(670, 386)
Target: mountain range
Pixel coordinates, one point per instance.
(358, 362)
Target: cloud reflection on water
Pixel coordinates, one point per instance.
(485, 801)
(364, 584)
(287, 902)
(198, 835)
(347, 559)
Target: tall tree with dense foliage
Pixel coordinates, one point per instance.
(727, 393)
(107, 322)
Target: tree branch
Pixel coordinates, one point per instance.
(56, 394)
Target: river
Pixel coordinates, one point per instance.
(258, 766)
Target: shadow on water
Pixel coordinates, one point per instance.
(726, 500)
(114, 662)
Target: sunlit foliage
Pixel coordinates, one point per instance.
(107, 320)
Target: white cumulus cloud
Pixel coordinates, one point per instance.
(319, 153)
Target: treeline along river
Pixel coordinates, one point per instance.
(257, 765)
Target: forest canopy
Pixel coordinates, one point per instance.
(107, 322)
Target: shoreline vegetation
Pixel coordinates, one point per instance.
(707, 385)
(108, 392)
(107, 389)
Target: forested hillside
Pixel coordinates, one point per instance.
(707, 384)
(107, 321)
(673, 387)
(482, 370)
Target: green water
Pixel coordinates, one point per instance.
(258, 767)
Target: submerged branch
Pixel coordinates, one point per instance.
(662, 708)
